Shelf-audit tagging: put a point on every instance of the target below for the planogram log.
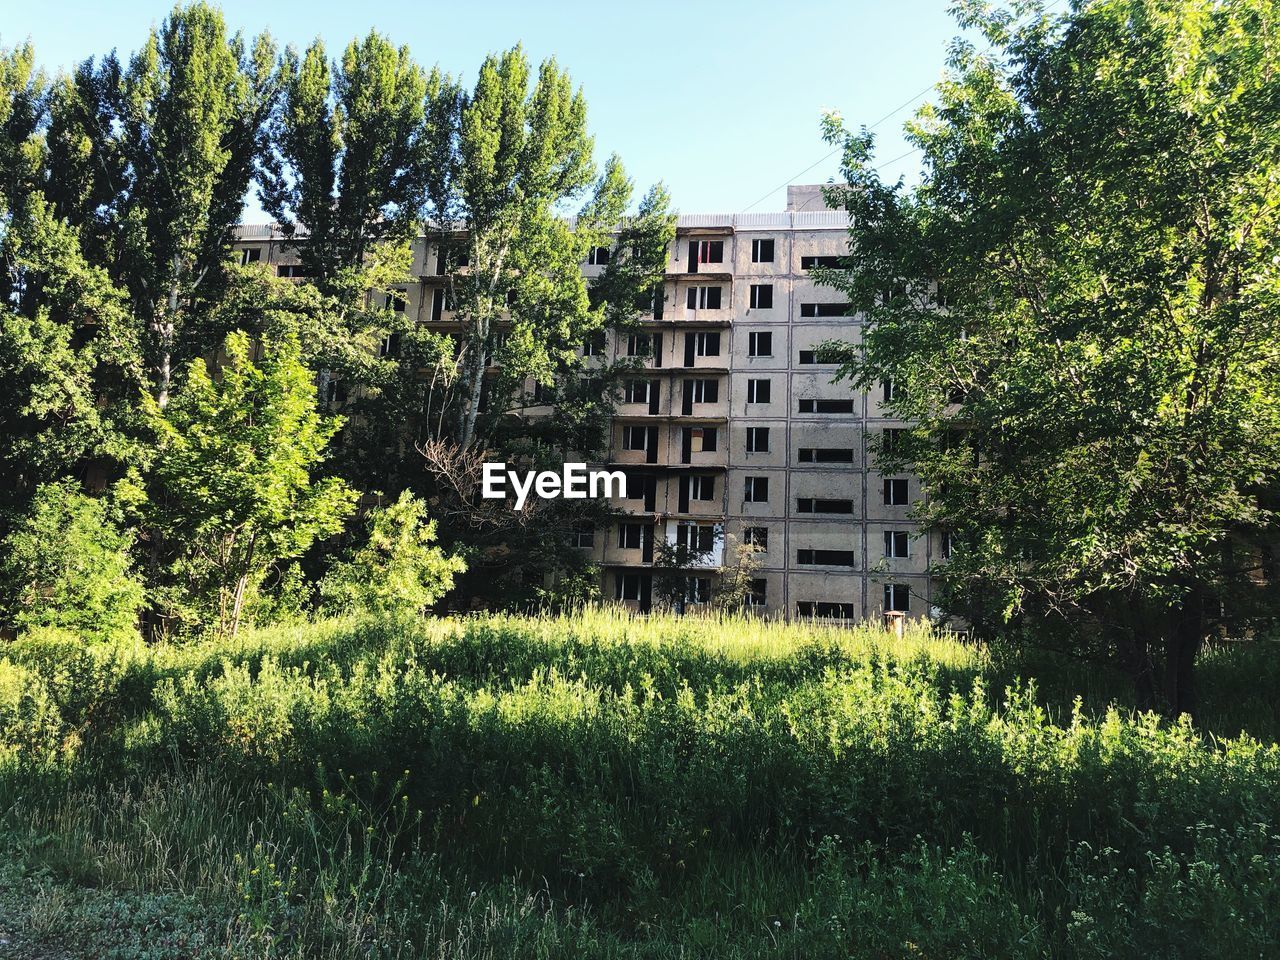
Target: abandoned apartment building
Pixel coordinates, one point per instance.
(731, 430)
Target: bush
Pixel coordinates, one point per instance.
(91, 682)
(397, 572)
(31, 732)
(68, 566)
(924, 903)
(1219, 896)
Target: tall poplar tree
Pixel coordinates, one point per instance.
(70, 364)
(155, 160)
(354, 149)
(524, 153)
(23, 95)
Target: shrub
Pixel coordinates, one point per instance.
(1217, 897)
(924, 903)
(92, 683)
(31, 732)
(68, 566)
(397, 572)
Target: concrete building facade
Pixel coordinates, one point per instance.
(732, 430)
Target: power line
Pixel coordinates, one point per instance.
(923, 93)
(896, 110)
(793, 177)
(901, 156)
(797, 176)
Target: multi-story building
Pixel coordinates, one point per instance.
(731, 430)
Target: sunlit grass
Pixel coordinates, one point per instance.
(597, 784)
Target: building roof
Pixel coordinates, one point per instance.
(799, 220)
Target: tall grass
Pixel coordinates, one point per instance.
(608, 786)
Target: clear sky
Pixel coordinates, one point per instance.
(719, 99)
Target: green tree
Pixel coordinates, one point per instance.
(397, 571)
(354, 150)
(70, 365)
(737, 576)
(1077, 308)
(23, 97)
(68, 565)
(235, 487)
(675, 564)
(355, 153)
(525, 311)
(523, 154)
(87, 170)
(585, 390)
(154, 162)
(516, 559)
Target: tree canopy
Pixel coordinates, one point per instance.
(232, 415)
(1076, 308)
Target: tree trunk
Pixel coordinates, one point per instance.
(1183, 643)
(164, 362)
(242, 584)
(473, 383)
(164, 329)
(1135, 659)
(237, 604)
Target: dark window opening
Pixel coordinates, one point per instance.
(897, 544)
(628, 586)
(824, 309)
(695, 536)
(825, 455)
(758, 391)
(897, 596)
(826, 406)
(825, 558)
(826, 262)
(823, 505)
(825, 609)
(760, 344)
(896, 492)
(703, 298)
(707, 343)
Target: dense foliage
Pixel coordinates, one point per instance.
(232, 416)
(70, 566)
(397, 572)
(747, 787)
(234, 492)
(194, 445)
(1077, 309)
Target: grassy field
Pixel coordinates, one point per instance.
(597, 786)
